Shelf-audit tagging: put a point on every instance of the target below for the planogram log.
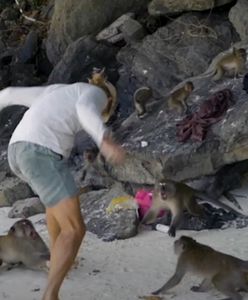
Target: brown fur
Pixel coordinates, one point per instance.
(232, 64)
(178, 98)
(225, 272)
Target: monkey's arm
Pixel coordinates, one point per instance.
(174, 280)
(176, 220)
(150, 216)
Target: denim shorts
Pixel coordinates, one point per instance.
(44, 170)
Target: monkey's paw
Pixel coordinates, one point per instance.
(155, 292)
(172, 232)
(195, 288)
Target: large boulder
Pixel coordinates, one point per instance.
(12, 189)
(238, 17)
(182, 49)
(26, 208)
(80, 58)
(108, 226)
(168, 7)
(73, 19)
(155, 149)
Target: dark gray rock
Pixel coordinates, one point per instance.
(237, 16)
(132, 31)
(112, 33)
(154, 149)
(80, 58)
(117, 225)
(29, 49)
(167, 7)
(4, 4)
(13, 190)
(181, 49)
(10, 116)
(9, 14)
(74, 19)
(26, 208)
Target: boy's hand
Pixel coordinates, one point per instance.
(112, 152)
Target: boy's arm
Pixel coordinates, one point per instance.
(90, 117)
(20, 95)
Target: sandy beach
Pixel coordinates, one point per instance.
(124, 269)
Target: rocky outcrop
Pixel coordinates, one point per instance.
(79, 59)
(116, 225)
(182, 49)
(168, 7)
(237, 16)
(154, 147)
(13, 190)
(75, 19)
(179, 50)
(26, 208)
(10, 116)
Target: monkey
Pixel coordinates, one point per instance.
(89, 157)
(227, 273)
(94, 173)
(231, 63)
(22, 250)
(177, 99)
(23, 231)
(99, 79)
(24, 228)
(140, 98)
(177, 197)
(173, 196)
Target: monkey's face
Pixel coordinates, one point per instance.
(189, 86)
(166, 189)
(23, 228)
(90, 155)
(242, 53)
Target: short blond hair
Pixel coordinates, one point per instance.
(99, 79)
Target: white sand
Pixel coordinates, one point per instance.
(121, 270)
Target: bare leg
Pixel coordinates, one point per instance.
(53, 228)
(72, 230)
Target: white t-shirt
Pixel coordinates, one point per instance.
(57, 112)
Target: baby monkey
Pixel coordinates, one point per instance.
(231, 63)
(178, 98)
(177, 197)
(141, 98)
(227, 273)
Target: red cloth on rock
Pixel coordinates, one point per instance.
(211, 111)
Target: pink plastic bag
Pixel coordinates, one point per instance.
(144, 200)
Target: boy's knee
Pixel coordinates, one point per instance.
(75, 232)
